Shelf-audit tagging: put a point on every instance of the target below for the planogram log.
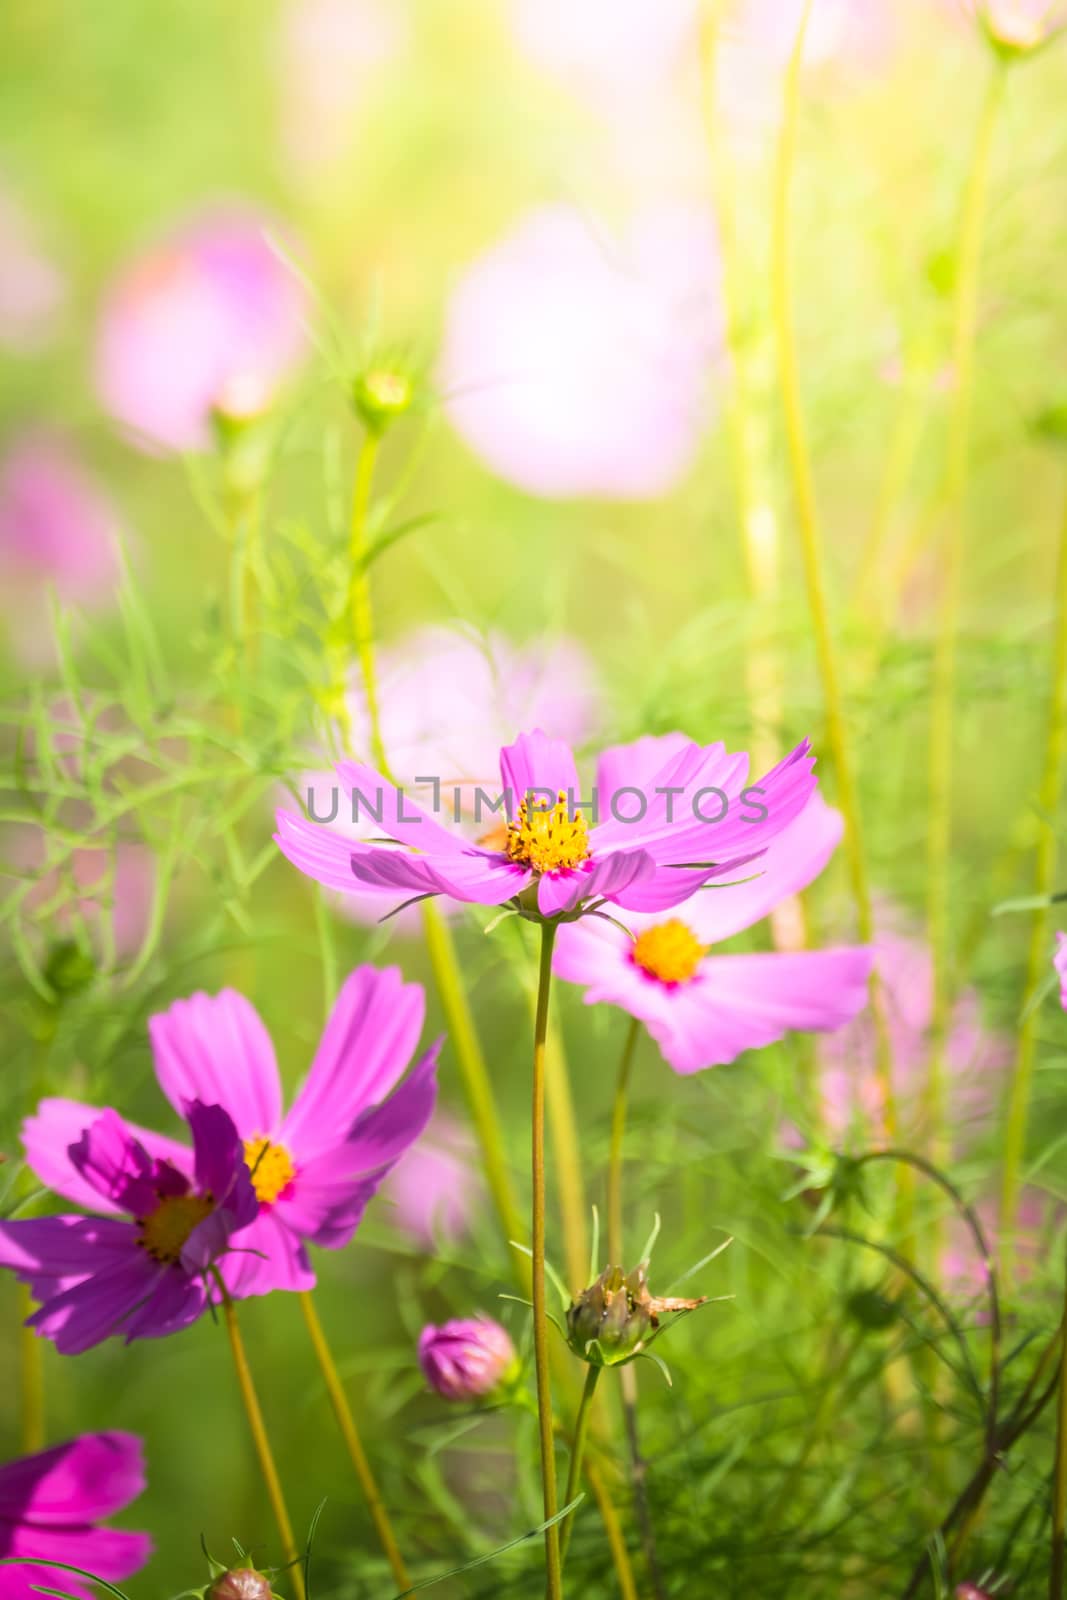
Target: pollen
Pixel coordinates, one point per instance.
(547, 838)
(163, 1233)
(669, 951)
(271, 1167)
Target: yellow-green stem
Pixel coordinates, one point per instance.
(812, 552)
(554, 1587)
(618, 1133)
(943, 688)
(568, 1160)
(476, 1083)
(31, 1376)
(353, 1444)
(294, 1572)
(359, 591)
(1049, 797)
(613, 1528)
(1059, 1485)
(578, 1438)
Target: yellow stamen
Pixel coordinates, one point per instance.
(164, 1231)
(271, 1167)
(547, 838)
(670, 951)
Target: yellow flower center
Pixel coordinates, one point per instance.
(271, 1167)
(670, 951)
(547, 838)
(163, 1233)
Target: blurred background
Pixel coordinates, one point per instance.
(550, 225)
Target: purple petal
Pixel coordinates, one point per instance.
(87, 1478)
(114, 1165)
(57, 1124)
(220, 1167)
(365, 1049)
(215, 1049)
(98, 1307)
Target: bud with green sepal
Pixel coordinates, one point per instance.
(385, 389)
(616, 1318)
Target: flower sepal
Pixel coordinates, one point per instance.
(616, 1318)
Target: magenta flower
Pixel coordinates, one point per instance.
(576, 365)
(50, 1505)
(56, 529)
(448, 700)
(1059, 961)
(850, 1092)
(208, 319)
(314, 1167)
(434, 1186)
(466, 1359)
(146, 1277)
(704, 1010)
(677, 817)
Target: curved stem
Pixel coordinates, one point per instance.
(1059, 1486)
(1049, 797)
(618, 1130)
(261, 1440)
(554, 1588)
(943, 688)
(359, 591)
(353, 1444)
(31, 1374)
(574, 1472)
(812, 552)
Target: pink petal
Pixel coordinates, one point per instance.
(536, 762)
(214, 1048)
(394, 812)
(57, 1124)
(265, 1256)
(365, 1049)
(475, 875)
(89, 1477)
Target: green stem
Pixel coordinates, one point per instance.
(943, 688)
(618, 1130)
(359, 591)
(31, 1376)
(346, 1422)
(260, 1438)
(476, 1082)
(554, 1586)
(812, 552)
(1049, 798)
(1059, 1486)
(566, 1150)
(574, 1472)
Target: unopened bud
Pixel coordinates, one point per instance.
(468, 1358)
(381, 395)
(241, 1583)
(616, 1318)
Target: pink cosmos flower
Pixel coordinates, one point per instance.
(50, 1504)
(1060, 963)
(851, 1096)
(677, 817)
(448, 700)
(467, 1358)
(145, 1277)
(434, 1186)
(704, 1010)
(56, 530)
(32, 288)
(207, 319)
(314, 1167)
(576, 364)
(332, 55)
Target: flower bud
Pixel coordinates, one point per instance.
(381, 394)
(468, 1358)
(616, 1318)
(240, 1583)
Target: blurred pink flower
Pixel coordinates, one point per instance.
(106, 891)
(963, 1271)
(576, 364)
(331, 53)
(56, 529)
(1059, 961)
(466, 1359)
(448, 700)
(32, 288)
(208, 318)
(1016, 25)
(851, 1096)
(435, 1185)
